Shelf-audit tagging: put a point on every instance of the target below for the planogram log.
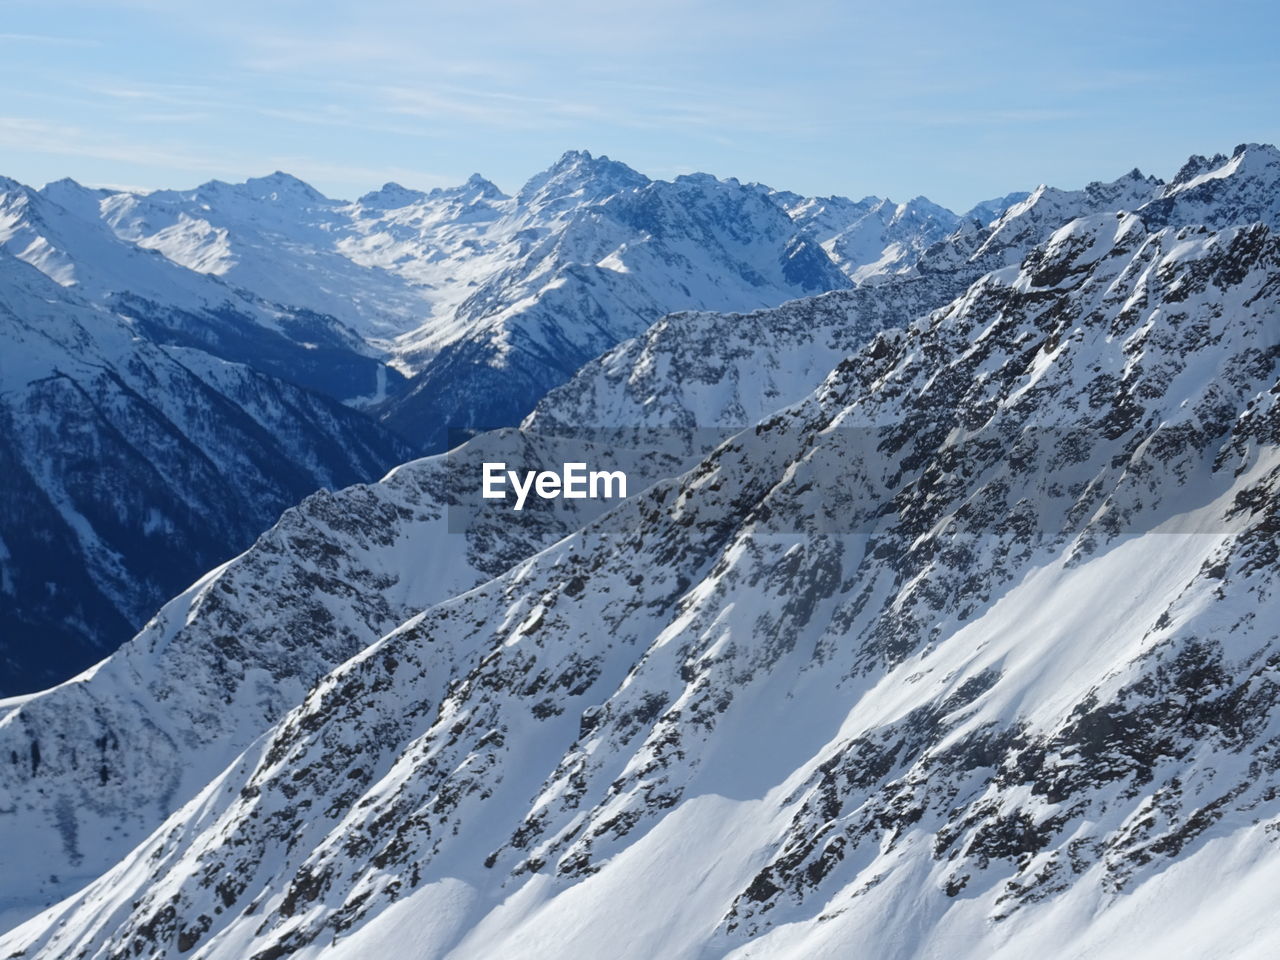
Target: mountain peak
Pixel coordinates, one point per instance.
(390, 196)
(708, 179)
(67, 183)
(1248, 158)
(479, 187)
(988, 210)
(278, 185)
(923, 206)
(577, 173)
(573, 158)
(1125, 192)
(1266, 152)
(484, 184)
(583, 163)
(393, 196)
(9, 185)
(71, 193)
(1217, 190)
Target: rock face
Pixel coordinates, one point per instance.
(491, 299)
(238, 312)
(131, 467)
(970, 649)
(227, 658)
(592, 253)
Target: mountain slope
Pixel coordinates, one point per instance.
(229, 655)
(873, 236)
(275, 236)
(133, 467)
(703, 369)
(620, 252)
(491, 300)
(59, 231)
(259, 288)
(843, 681)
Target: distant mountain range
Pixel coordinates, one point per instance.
(485, 300)
(181, 366)
(952, 630)
(130, 465)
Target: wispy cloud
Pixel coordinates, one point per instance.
(27, 133)
(169, 94)
(40, 38)
(1012, 117)
(493, 108)
(170, 117)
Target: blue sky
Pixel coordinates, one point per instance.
(956, 101)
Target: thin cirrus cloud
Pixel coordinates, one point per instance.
(40, 39)
(819, 96)
(491, 107)
(28, 133)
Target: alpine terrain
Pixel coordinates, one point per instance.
(941, 618)
(179, 367)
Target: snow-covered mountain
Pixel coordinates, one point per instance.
(728, 370)
(872, 236)
(593, 270)
(970, 650)
(716, 370)
(59, 231)
(130, 467)
(230, 655)
(491, 299)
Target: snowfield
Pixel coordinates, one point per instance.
(952, 631)
(242, 318)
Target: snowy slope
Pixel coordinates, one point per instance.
(59, 231)
(132, 467)
(728, 370)
(493, 299)
(874, 236)
(970, 652)
(499, 298)
(275, 236)
(228, 656)
(597, 253)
